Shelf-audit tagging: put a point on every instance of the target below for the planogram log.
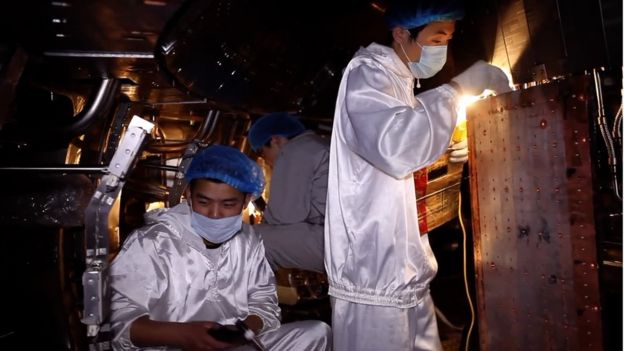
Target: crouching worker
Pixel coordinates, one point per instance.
(295, 215)
(195, 268)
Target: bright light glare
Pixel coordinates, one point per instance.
(154, 205)
(464, 102)
(467, 100)
(251, 208)
(508, 74)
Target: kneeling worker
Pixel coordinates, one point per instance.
(195, 267)
(295, 215)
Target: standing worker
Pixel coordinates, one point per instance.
(379, 266)
(293, 220)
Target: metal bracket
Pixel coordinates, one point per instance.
(179, 183)
(95, 277)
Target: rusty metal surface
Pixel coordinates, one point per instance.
(437, 193)
(533, 222)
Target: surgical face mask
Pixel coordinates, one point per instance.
(216, 231)
(432, 59)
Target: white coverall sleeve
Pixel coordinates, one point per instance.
(390, 134)
(262, 295)
(134, 281)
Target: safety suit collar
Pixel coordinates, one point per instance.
(178, 219)
(176, 214)
(387, 57)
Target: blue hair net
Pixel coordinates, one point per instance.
(228, 165)
(414, 13)
(277, 123)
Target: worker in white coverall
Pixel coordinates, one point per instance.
(294, 218)
(196, 266)
(379, 266)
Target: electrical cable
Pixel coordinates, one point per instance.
(445, 320)
(606, 135)
(617, 124)
(470, 304)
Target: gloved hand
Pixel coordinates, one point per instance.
(480, 76)
(459, 153)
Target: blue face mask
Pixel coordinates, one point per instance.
(216, 231)
(432, 59)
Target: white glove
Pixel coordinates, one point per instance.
(459, 152)
(480, 76)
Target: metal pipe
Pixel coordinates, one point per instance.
(100, 102)
(205, 130)
(208, 125)
(191, 102)
(604, 131)
(159, 166)
(100, 54)
(617, 124)
(72, 169)
(213, 126)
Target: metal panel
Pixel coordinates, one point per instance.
(533, 219)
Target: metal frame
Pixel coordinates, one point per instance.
(180, 183)
(95, 277)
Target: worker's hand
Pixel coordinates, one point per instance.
(459, 152)
(480, 76)
(188, 336)
(196, 336)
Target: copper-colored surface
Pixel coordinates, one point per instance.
(437, 193)
(533, 222)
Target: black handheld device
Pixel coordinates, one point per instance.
(228, 333)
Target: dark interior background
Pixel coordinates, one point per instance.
(175, 61)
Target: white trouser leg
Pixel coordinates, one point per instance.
(296, 336)
(359, 327)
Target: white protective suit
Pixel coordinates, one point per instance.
(293, 229)
(165, 271)
(378, 264)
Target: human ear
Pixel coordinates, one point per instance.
(187, 192)
(400, 35)
(277, 141)
(274, 141)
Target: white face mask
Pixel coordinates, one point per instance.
(216, 231)
(432, 59)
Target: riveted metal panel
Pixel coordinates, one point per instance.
(533, 219)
